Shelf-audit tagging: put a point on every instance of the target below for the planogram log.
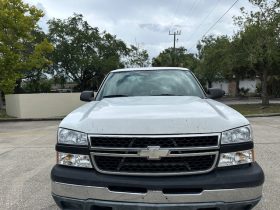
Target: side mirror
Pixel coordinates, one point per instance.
(87, 96)
(215, 93)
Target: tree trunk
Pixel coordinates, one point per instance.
(265, 99)
(237, 87)
(209, 84)
(18, 88)
(83, 84)
(1, 100)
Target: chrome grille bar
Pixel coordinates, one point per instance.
(154, 155)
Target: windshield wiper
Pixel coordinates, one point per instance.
(114, 96)
(166, 94)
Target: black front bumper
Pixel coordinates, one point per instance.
(227, 178)
(244, 177)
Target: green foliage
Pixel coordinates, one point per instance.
(244, 91)
(18, 21)
(39, 62)
(137, 57)
(182, 58)
(214, 58)
(3, 114)
(253, 51)
(42, 85)
(273, 87)
(60, 79)
(259, 41)
(82, 53)
(239, 66)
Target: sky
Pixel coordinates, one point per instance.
(146, 23)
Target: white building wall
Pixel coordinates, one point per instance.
(251, 84)
(43, 105)
(222, 85)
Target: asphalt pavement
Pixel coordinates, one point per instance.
(27, 155)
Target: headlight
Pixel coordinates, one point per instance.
(66, 136)
(236, 158)
(75, 160)
(237, 135)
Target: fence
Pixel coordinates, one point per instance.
(42, 105)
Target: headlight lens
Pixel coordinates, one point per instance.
(66, 136)
(75, 160)
(237, 135)
(236, 158)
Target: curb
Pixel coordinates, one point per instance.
(262, 115)
(30, 119)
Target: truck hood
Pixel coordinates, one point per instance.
(153, 115)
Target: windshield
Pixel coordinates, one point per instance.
(150, 83)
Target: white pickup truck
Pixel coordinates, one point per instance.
(153, 139)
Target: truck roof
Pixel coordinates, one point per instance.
(150, 68)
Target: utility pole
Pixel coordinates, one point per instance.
(174, 34)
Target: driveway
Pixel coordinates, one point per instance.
(27, 155)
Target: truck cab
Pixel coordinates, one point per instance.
(153, 139)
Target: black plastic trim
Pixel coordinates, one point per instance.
(250, 176)
(84, 150)
(236, 147)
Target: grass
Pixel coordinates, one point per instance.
(249, 109)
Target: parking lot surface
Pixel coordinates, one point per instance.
(27, 155)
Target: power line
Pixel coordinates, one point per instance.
(212, 26)
(204, 19)
(179, 2)
(194, 7)
(176, 8)
(220, 18)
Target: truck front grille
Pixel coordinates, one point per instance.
(164, 165)
(154, 155)
(163, 142)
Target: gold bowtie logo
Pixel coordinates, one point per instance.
(153, 153)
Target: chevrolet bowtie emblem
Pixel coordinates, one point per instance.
(153, 153)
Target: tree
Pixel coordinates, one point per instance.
(137, 57)
(82, 53)
(182, 58)
(259, 35)
(41, 85)
(39, 64)
(239, 67)
(17, 22)
(214, 58)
